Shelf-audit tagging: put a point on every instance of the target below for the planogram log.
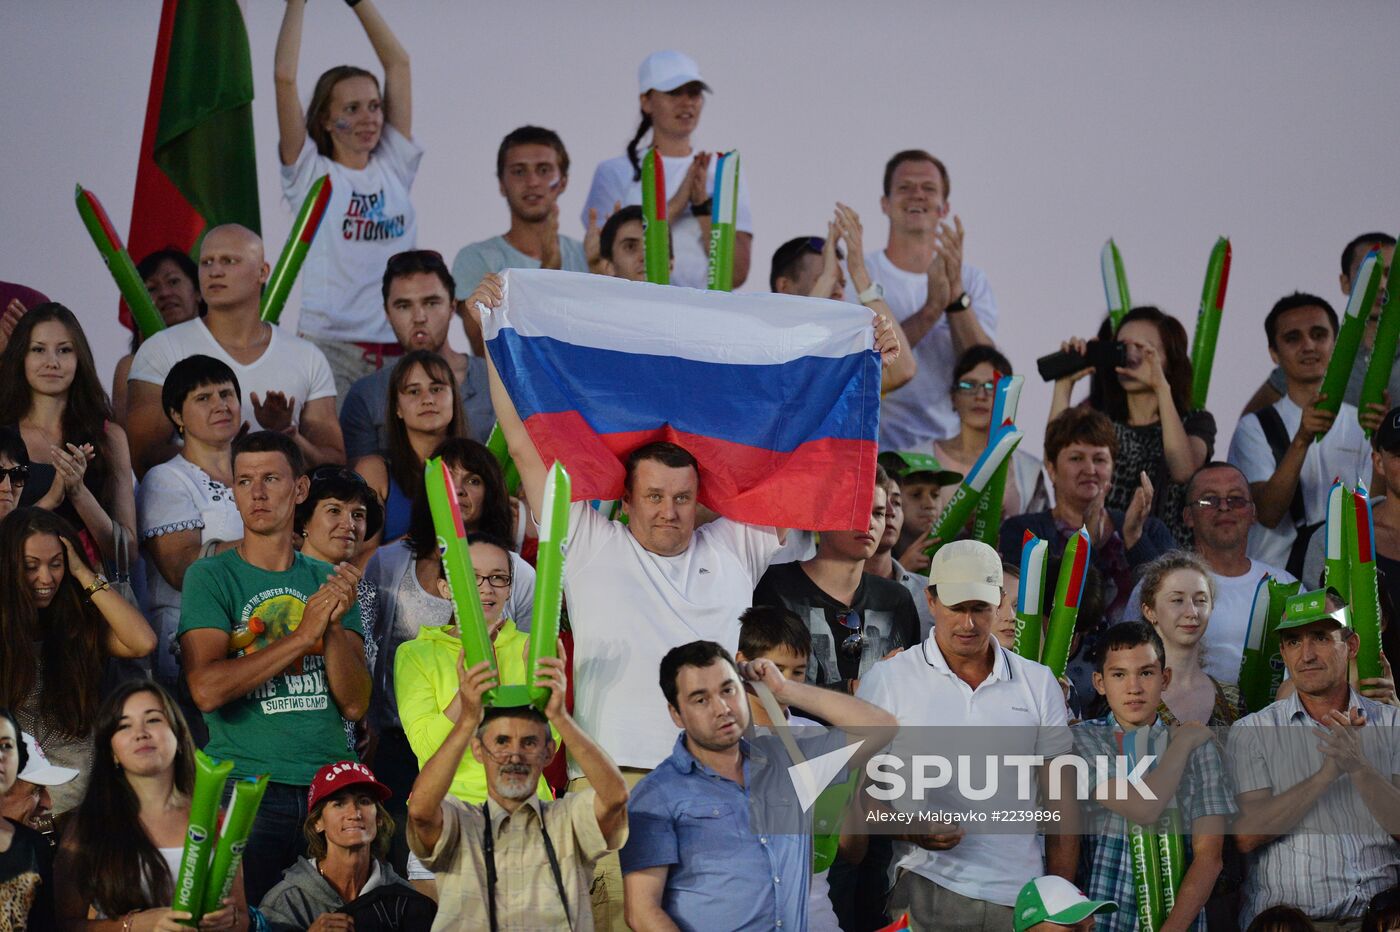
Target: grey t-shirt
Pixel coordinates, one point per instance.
(476, 260)
(364, 416)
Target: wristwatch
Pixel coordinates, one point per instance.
(99, 582)
(875, 292)
(961, 303)
(703, 209)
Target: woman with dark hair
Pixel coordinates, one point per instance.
(423, 411)
(14, 469)
(672, 98)
(347, 844)
(185, 504)
(26, 861)
(974, 392)
(363, 140)
(79, 463)
(1160, 432)
(119, 857)
(338, 514)
(59, 622)
(172, 278)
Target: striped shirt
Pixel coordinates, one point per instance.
(1326, 874)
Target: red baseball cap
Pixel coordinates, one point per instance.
(333, 778)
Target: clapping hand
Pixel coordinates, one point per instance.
(274, 411)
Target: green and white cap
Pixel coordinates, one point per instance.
(904, 464)
(1307, 607)
(1055, 899)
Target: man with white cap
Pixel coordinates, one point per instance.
(28, 801)
(672, 96)
(1047, 904)
(962, 676)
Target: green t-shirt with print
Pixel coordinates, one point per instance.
(289, 727)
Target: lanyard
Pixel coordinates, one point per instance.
(488, 851)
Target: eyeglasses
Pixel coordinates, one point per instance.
(975, 388)
(495, 580)
(18, 475)
(1232, 502)
(537, 755)
(855, 641)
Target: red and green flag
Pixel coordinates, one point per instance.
(197, 167)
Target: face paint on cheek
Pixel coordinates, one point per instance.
(342, 125)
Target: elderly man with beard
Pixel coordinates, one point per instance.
(536, 859)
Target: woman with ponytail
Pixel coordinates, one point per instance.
(672, 97)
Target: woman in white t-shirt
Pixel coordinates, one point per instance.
(119, 857)
(185, 505)
(363, 140)
(672, 97)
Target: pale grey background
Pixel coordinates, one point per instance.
(1162, 125)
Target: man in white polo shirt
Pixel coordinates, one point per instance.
(962, 676)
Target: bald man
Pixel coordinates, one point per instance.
(287, 383)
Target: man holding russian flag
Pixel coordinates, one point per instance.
(763, 407)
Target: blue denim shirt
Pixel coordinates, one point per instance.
(687, 817)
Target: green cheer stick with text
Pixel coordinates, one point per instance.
(1030, 597)
(119, 265)
(233, 839)
(1143, 846)
(986, 517)
(1069, 590)
(1348, 343)
(1383, 350)
(656, 231)
(724, 212)
(195, 860)
(457, 569)
(961, 506)
(1261, 667)
(1364, 597)
(1208, 320)
(1115, 283)
(549, 582)
(1339, 529)
(284, 273)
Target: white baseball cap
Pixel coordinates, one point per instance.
(39, 771)
(667, 70)
(1055, 900)
(966, 571)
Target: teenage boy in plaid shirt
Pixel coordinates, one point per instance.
(1130, 675)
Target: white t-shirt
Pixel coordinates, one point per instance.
(369, 218)
(917, 686)
(179, 496)
(1223, 643)
(612, 182)
(1343, 452)
(629, 606)
(922, 410)
(289, 365)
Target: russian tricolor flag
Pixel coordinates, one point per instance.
(777, 397)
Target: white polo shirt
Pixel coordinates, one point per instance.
(629, 606)
(920, 690)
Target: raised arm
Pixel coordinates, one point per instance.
(398, 83)
(839, 709)
(490, 292)
(1127, 800)
(903, 366)
(291, 119)
(128, 633)
(435, 779)
(609, 788)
